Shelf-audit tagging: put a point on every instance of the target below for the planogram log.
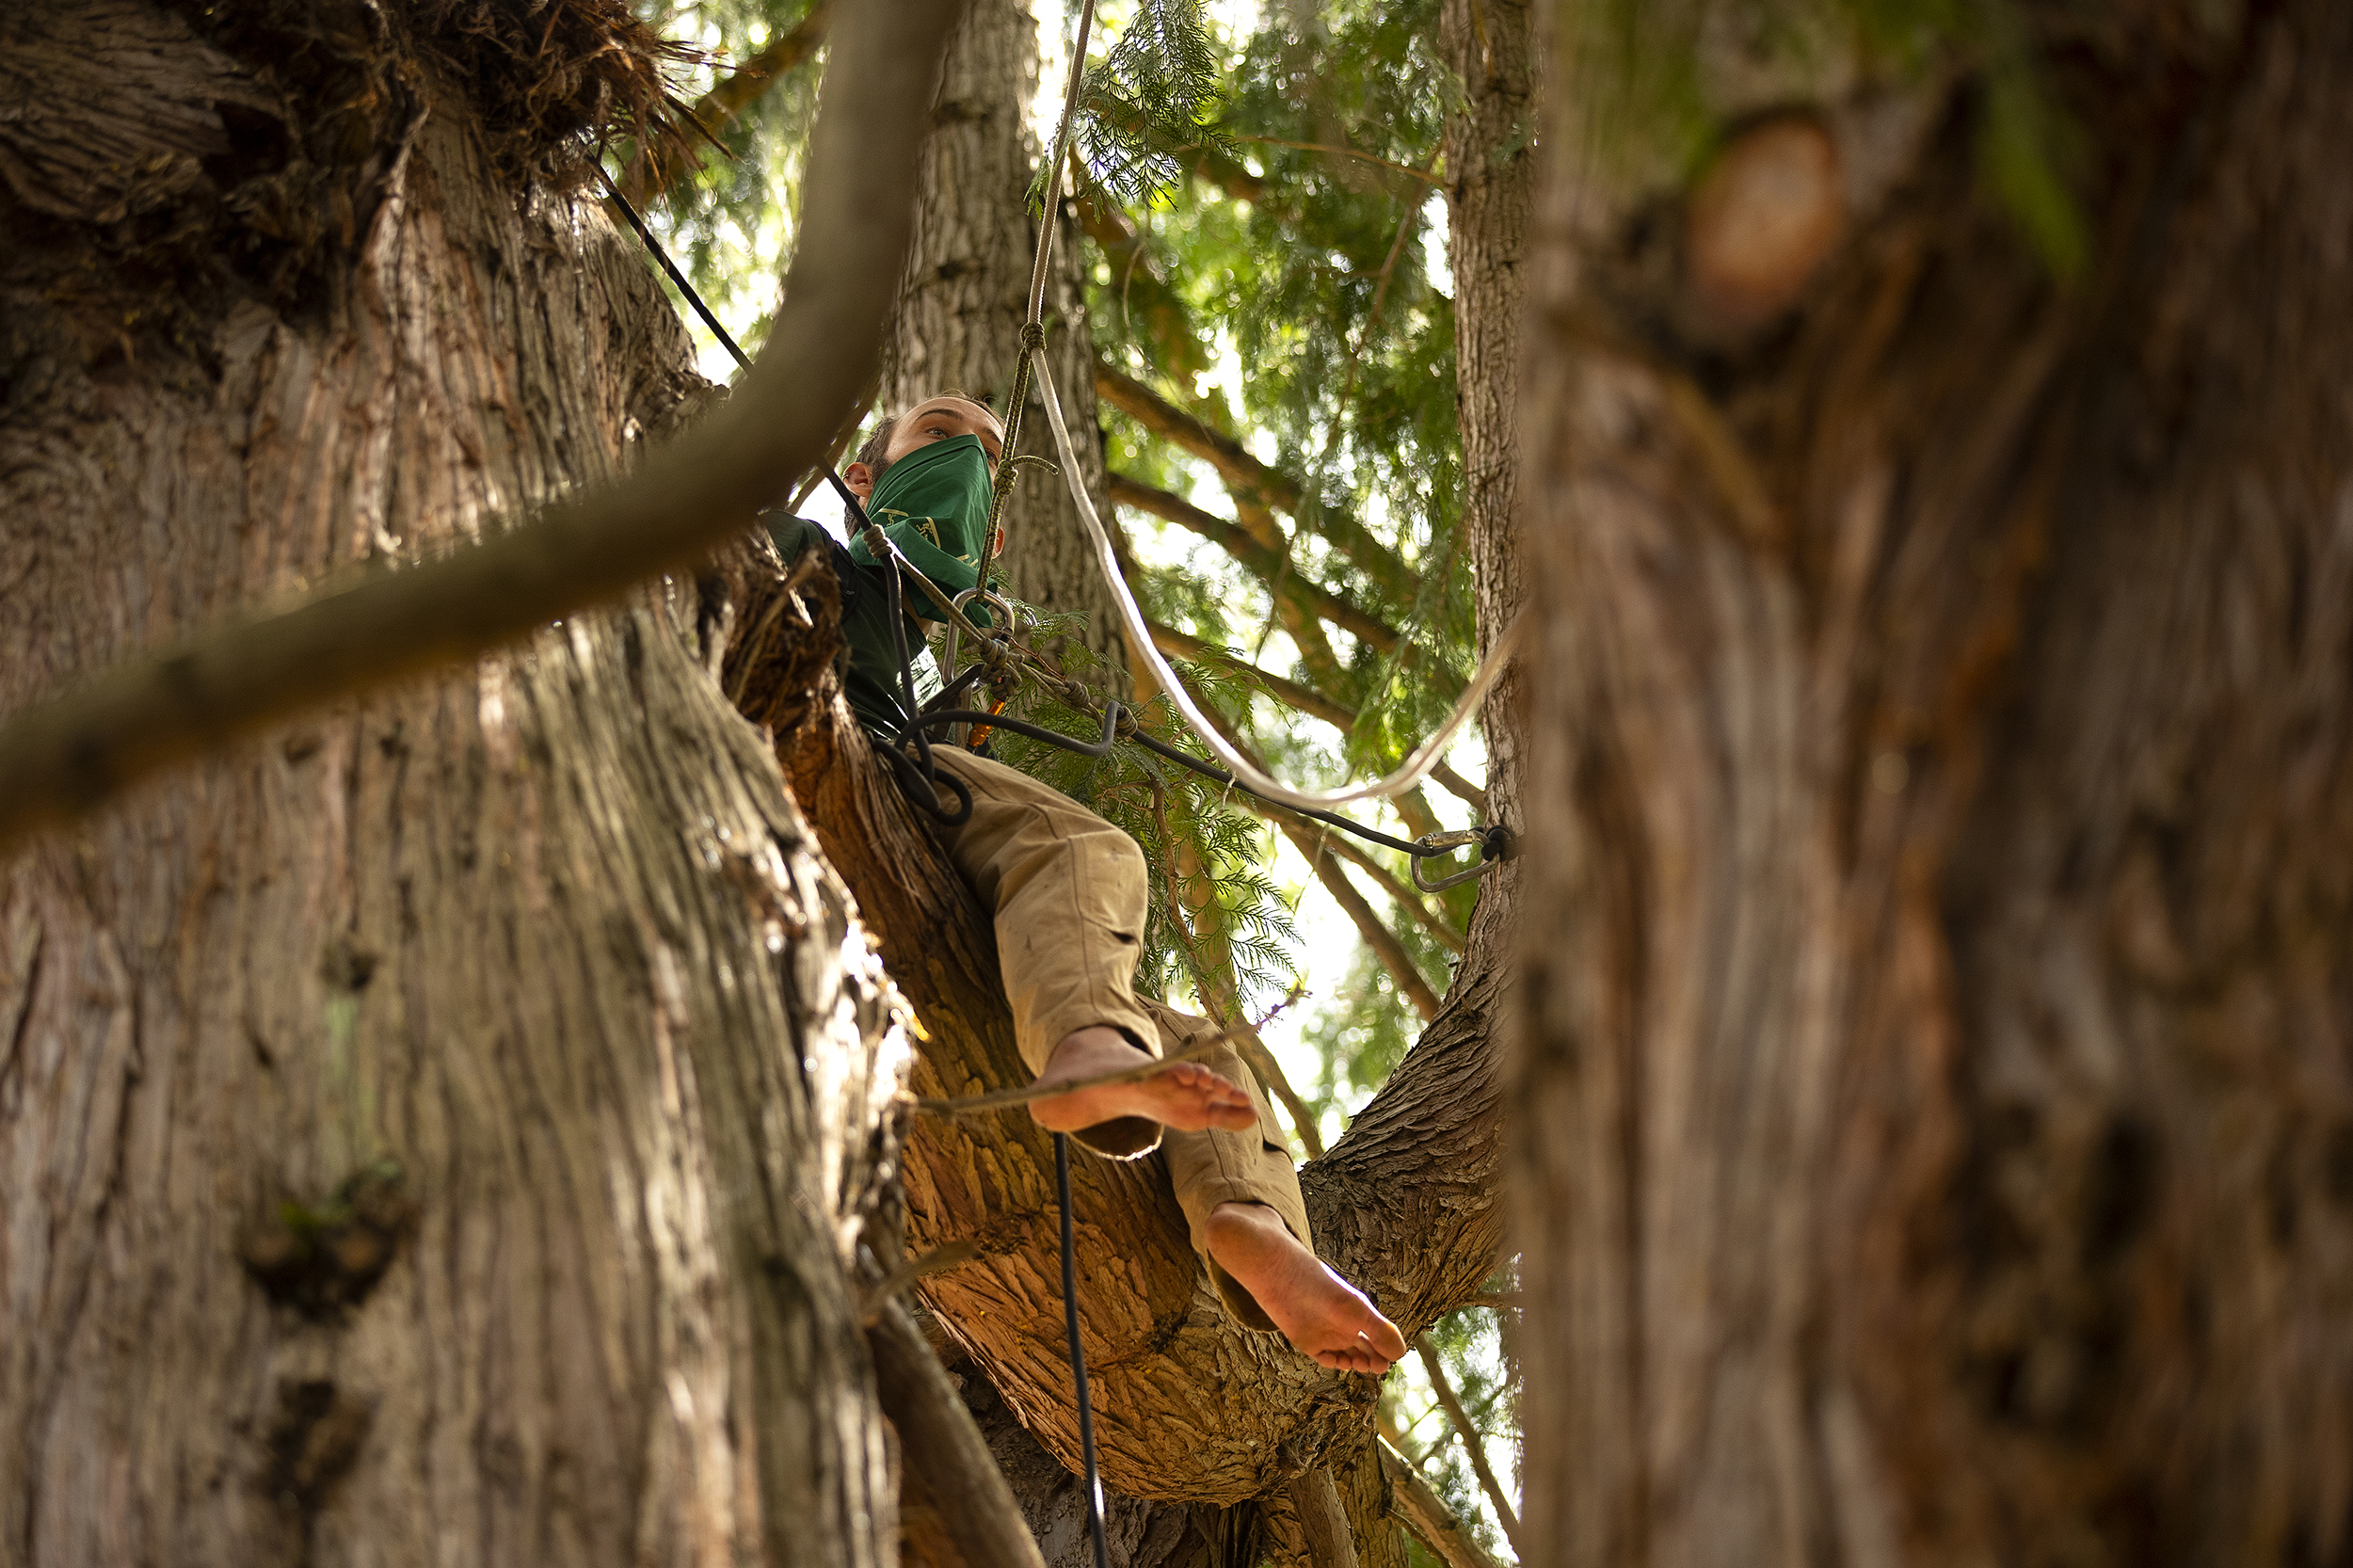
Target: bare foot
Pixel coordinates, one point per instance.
(1185, 1095)
(1320, 1313)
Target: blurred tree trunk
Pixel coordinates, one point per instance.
(437, 1131)
(959, 327)
(1938, 1138)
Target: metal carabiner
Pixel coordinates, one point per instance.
(1008, 620)
(1494, 844)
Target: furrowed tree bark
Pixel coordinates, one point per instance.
(966, 294)
(1938, 1129)
(437, 1130)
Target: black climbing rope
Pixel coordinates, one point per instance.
(1078, 1352)
(727, 341)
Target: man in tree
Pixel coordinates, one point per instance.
(1068, 890)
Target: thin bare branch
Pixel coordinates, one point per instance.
(1266, 564)
(1251, 480)
(64, 756)
(936, 1261)
(1505, 1514)
(947, 1459)
(1306, 699)
(1461, 788)
(1412, 900)
(1178, 645)
(1278, 1082)
(1368, 924)
(1183, 644)
(1425, 1514)
(1405, 228)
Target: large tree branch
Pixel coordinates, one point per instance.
(1188, 1405)
(1162, 1355)
(67, 755)
(1251, 480)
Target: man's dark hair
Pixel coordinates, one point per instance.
(872, 453)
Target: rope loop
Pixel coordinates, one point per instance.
(1438, 843)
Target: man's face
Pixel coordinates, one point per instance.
(938, 419)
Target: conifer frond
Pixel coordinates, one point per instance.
(1153, 95)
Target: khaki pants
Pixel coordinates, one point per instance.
(1068, 893)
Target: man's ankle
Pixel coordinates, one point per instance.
(1090, 1044)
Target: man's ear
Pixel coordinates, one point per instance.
(861, 479)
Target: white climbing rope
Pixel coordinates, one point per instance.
(1416, 767)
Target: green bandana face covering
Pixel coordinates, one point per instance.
(932, 504)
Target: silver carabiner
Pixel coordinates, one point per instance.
(1008, 619)
(1457, 839)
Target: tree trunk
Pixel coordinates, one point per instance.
(1938, 1135)
(968, 293)
(437, 1130)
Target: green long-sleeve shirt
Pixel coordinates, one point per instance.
(873, 682)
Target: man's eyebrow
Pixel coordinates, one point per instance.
(960, 407)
